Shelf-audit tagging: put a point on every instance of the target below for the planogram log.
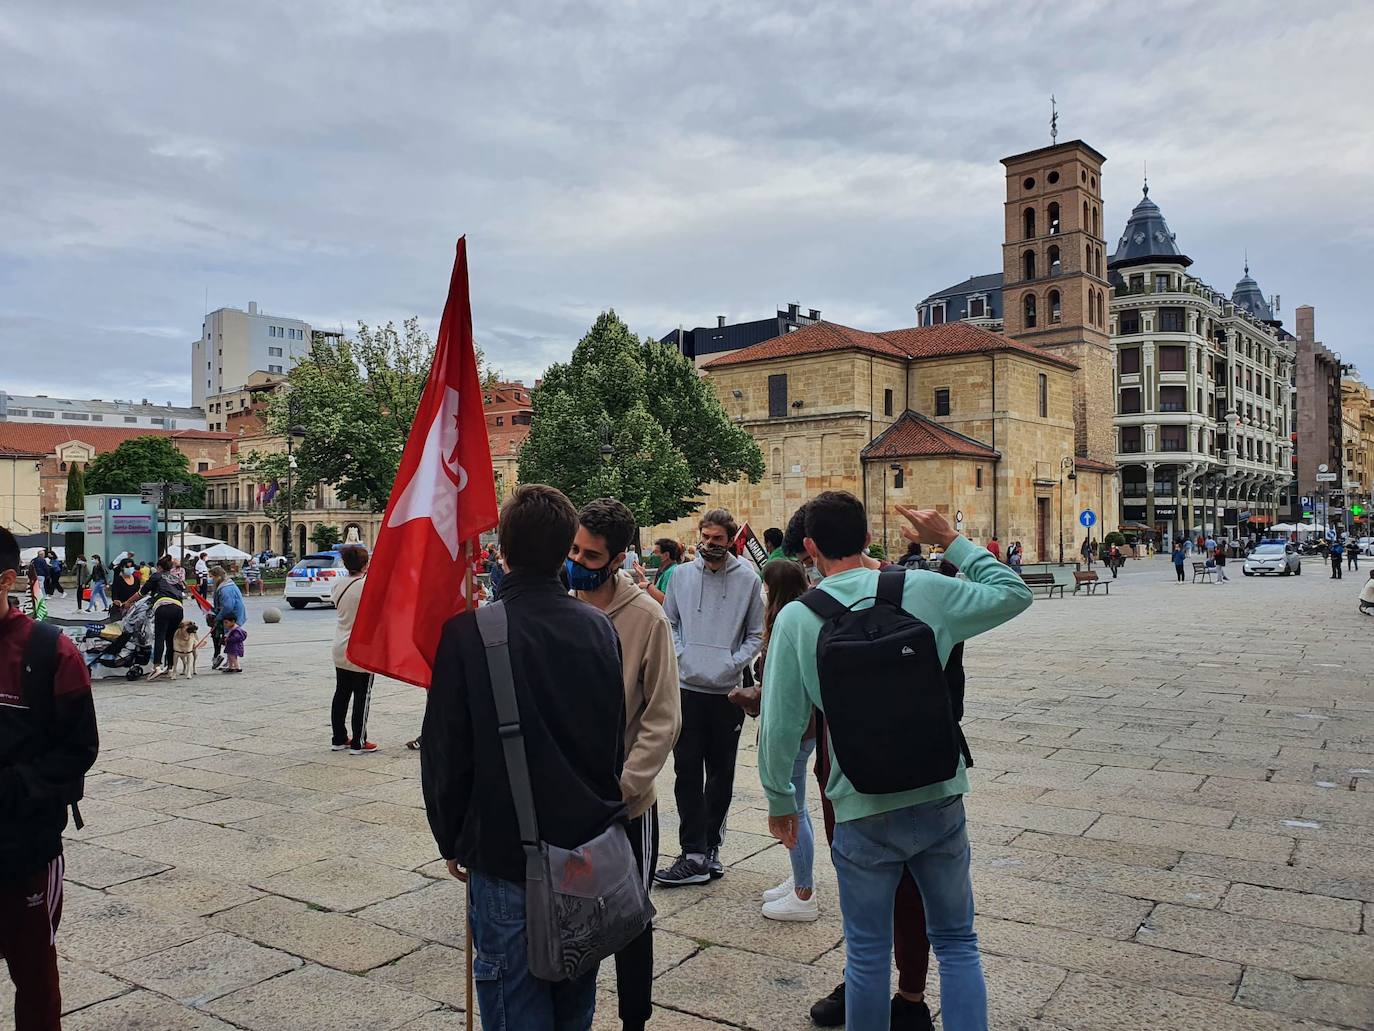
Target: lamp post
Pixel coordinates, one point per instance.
(293, 430)
(1065, 465)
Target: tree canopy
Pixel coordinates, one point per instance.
(143, 460)
(631, 419)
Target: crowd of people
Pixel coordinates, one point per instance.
(672, 659)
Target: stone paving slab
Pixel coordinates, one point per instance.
(1162, 839)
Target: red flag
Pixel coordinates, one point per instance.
(443, 498)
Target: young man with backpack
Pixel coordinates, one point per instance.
(715, 607)
(653, 711)
(564, 668)
(48, 740)
(868, 649)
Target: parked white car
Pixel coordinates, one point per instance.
(1273, 557)
(312, 578)
(1365, 545)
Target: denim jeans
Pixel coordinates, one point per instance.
(804, 855)
(869, 854)
(509, 997)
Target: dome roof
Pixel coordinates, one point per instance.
(1248, 295)
(1147, 238)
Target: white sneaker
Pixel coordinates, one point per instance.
(789, 907)
(785, 888)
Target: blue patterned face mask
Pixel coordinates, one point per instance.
(580, 578)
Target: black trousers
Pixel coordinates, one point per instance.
(166, 619)
(350, 683)
(634, 964)
(1352, 557)
(705, 750)
(1336, 567)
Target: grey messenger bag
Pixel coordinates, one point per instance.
(583, 904)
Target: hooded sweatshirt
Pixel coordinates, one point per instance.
(653, 707)
(717, 621)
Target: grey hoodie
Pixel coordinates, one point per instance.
(717, 621)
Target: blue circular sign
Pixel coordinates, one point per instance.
(1088, 517)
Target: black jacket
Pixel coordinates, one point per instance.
(565, 658)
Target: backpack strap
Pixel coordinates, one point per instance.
(823, 604)
(494, 629)
(39, 672)
(891, 583)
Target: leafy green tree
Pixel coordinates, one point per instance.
(270, 468)
(631, 418)
(325, 536)
(143, 460)
(76, 500)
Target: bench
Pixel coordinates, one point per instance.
(1089, 583)
(1200, 569)
(1043, 580)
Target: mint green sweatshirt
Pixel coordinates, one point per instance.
(954, 609)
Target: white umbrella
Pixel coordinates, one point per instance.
(226, 551)
(1284, 527)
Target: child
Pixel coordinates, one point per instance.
(234, 636)
(1367, 595)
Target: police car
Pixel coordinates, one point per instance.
(312, 578)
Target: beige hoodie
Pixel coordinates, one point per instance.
(653, 707)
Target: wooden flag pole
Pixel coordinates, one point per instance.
(470, 599)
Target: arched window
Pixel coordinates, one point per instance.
(250, 539)
(1053, 257)
(1028, 265)
(1101, 310)
(1098, 252)
(1097, 231)
(1028, 223)
(1085, 216)
(1054, 306)
(267, 536)
(1053, 218)
(1029, 304)
(63, 467)
(1088, 258)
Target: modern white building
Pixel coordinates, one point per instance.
(40, 408)
(235, 343)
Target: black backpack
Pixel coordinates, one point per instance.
(892, 717)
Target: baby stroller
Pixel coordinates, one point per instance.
(127, 645)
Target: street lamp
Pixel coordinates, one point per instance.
(1065, 465)
(293, 430)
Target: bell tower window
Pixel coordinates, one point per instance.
(1028, 265)
(1053, 218)
(1054, 306)
(1029, 307)
(1028, 223)
(1054, 265)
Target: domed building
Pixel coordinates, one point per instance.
(1204, 404)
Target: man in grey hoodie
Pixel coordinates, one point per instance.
(715, 608)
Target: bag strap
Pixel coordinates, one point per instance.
(891, 583)
(494, 629)
(823, 604)
(40, 671)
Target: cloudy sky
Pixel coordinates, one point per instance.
(673, 161)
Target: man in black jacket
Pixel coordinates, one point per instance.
(565, 658)
(48, 741)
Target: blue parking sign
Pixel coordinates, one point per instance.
(1088, 517)
(116, 504)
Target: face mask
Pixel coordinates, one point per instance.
(712, 552)
(580, 578)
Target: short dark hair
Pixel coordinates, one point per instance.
(165, 563)
(772, 538)
(354, 558)
(836, 521)
(796, 533)
(610, 520)
(720, 517)
(9, 551)
(537, 527)
(669, 547)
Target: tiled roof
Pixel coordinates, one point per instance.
(915, 436)
(15, 452)
(43, 439)
(948, 340)
(224, 470)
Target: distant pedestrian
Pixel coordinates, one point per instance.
(82, 571)
(1179, 559)
(252, 576)
(99, 577)
(351, 682)
(1115, 557)
(1014, 557)
(669, 555)
(995, 549)
(1087, 552)
(1336, 553)
(203, 573)
(1221, 566)
(1352, 553)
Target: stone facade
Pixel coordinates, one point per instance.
(21, 501)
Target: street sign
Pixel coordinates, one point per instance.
(1306, 501)
(115, 504)
(1330, 535)
(1326, 477)
(1088, 517)
(1357, 510)
(959, 519)
(1323, 467)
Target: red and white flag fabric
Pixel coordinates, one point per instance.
(444, 497)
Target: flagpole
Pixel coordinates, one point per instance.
(467, 888)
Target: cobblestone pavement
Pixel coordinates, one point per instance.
(1172, 816)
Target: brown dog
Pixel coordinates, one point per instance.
(184, 645)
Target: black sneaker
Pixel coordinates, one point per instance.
(713, 865)
(684, 870)
(910, 1016)
(217, 662)
(829, 1012)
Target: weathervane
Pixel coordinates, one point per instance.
(1054, 121)
(1145, 171)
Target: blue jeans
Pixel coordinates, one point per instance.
(804, 855)
(930, 840)
(508, 995)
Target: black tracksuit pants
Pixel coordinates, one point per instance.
(706, 748)
(166, 618)
(350, 684)
(634, 964)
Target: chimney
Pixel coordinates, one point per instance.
(1307, 319)
(252, 307)
(720, 322)
(814, 314)
(793, 309)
